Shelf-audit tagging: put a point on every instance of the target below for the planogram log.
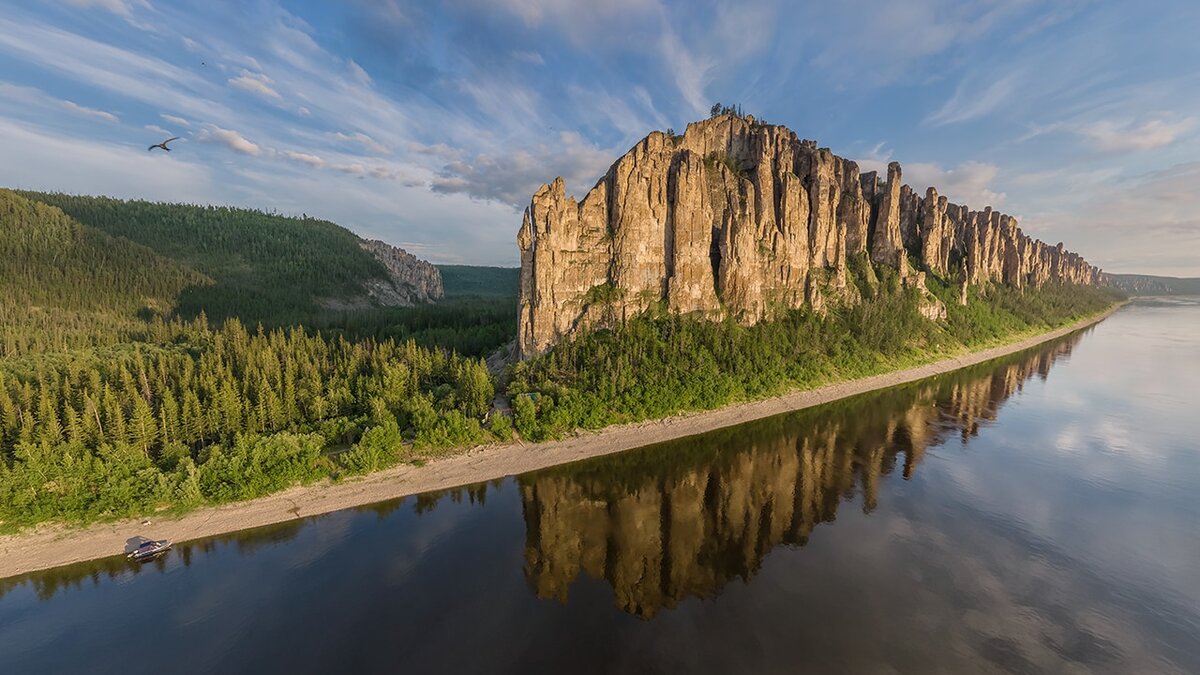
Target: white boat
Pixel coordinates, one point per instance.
(147, 549)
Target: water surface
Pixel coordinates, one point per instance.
(1035, 514)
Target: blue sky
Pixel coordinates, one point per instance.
(429, 125)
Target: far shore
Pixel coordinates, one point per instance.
(50, 546)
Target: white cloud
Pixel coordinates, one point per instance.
(255, 83)
(173, 119)
(304, 158)
(90, 112)
(1109, 136)
(157, 129)
(228, 138)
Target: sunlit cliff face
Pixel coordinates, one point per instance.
(736, 217)
(684, 518)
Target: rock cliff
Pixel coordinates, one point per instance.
(739, 218)
(410, 280)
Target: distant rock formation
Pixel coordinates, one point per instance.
(738, 218)
(1145, 284)
(411, 281)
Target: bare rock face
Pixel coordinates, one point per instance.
(887, 248)
(566, 250)
(691, 284)
(741, 219)
(411, 281)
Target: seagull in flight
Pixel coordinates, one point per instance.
(163, 145)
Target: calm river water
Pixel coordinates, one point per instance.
(1036, 514)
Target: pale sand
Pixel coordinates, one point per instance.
(51, 546)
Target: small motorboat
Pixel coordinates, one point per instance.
(147, 549)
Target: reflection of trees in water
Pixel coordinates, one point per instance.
(48, 582)
(683, 518)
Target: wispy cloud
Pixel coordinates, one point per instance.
(255, 83)
(90, 112)
(228, 138)
(1109, 136)
(363, 141)
(34, 97)
(529, 57)
(121, 7)
(974, 100)
(304, 158)
(174, 119)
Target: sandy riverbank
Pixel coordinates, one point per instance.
(53, 546)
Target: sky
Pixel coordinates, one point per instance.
(430, 125)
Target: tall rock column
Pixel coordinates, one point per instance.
(854, 214)
(565, 253)
(887, 248)
(690, 283)
(933, 232)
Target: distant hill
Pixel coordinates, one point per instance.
(263, 267)
(53, 261)
(478, 281)
(1146, 284)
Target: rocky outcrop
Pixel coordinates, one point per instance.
(741, 219)
(410, 280)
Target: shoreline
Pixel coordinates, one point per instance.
(51, 546)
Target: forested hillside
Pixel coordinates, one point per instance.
(51, 260)
(66, 286)
(265, 267)
(115, 401)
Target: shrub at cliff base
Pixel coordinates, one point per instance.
(661, 364)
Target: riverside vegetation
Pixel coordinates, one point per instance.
(662, 363)
(121, 394)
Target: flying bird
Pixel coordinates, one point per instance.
(163, 145)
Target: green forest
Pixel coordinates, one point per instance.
(145, 366)
(118, 398)
(264, 268)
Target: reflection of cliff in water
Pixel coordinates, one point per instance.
(683, 518)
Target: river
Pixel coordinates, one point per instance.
(1039, 513)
